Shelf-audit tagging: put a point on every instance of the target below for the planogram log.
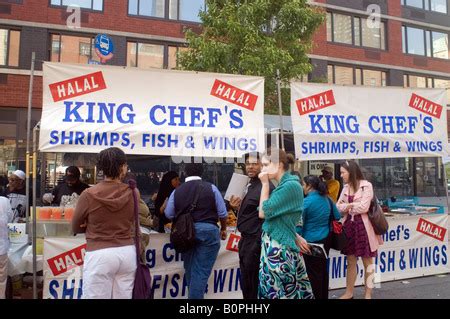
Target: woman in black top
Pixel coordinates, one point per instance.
(169, 182)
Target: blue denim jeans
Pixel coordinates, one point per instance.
(199, 261)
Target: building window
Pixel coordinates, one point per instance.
(443, 84)
(343, 75)
(173, 56)
(9, 47)
(415, 39)
(185, 10)
(415, 81)
(374, 78)
(439, 44)
(148, 8)
(347, 75)
(425, 42)
(342, 28)
(356, 31)
(430, 5)
(145, 55)
(72, 49)
(373, 37)
(96, 5)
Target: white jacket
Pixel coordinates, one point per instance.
(6, 216)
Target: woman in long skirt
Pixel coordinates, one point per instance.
(282, 273)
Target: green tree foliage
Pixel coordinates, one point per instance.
(254, 37)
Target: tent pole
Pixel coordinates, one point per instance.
(36, 128)
(27, 189)
(27, 163)
(280, 108)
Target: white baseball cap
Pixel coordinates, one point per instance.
(20, 174)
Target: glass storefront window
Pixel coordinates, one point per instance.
(374, 78)
(429, 177)
(358, 75)
(173, 51)
(417, 81)
(72, 49)
(392, 177)
(398, 177)
(150, 56)
(7, 154)
(343, 75)
(131, 54)
(355, 76)
(330, 74)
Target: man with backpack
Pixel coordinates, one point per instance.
(199, 205)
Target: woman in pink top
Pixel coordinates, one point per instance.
(354, 204)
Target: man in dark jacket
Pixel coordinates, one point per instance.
(250, 227)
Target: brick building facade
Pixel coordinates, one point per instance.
(148, 33)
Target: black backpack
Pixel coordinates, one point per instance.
(182, 235)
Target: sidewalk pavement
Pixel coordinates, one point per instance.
(430, 287)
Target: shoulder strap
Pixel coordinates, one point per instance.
(132, 185)
(197, 195)
(331, 218)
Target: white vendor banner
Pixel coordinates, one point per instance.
(414, 247)
(63, 270)
(63, 267)
(341, 122)
(88, 108)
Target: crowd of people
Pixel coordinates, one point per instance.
(278, 226)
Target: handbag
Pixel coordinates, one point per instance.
(376, 216)
(182, 234)
(336, 238)
(142, 281)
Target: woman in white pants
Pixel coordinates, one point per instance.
(105, 213)
(6, 215)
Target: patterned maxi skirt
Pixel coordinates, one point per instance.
(282, 272)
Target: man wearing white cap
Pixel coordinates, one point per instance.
(17, 194)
